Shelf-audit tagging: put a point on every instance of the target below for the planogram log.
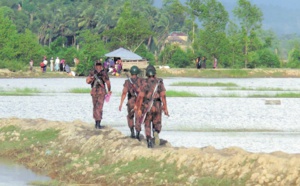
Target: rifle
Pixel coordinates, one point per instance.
(143, 117)
(98, 81)
(107, 96)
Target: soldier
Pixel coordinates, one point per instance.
(98, 78)
(130, 88)
(153, 98)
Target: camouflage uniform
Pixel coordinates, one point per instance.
(155, 114)
(98, 93)
(132, 95)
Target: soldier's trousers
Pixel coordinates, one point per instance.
(153, 117)
(98, 101)
(131, 119)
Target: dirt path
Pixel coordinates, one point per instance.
(75, 152)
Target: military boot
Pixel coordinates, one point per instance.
(132, 132)
(98, 126)
(149, 143)
(138, 136)
(156, 138)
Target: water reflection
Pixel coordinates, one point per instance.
(13, 174)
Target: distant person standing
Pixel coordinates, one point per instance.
(67, 68)
(51, 64)
(99, 80)
(198, 63)
(62, 65)
(120, 65)
(31, 65)
(215, 64)
(76, 62)
(45, 64)
(106, 65)
(57, 62)
(203, 62)
(111, 63)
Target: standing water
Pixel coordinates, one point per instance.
(13, 174)
(220, 117)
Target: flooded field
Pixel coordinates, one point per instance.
(213, 119)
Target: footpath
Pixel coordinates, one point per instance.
(76, 153)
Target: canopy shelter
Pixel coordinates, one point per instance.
(124, 54)
(129, 59)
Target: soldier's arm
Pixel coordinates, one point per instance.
(108, 86)
(164, 101)
(124, 92)
(138, 103)
(90, 78)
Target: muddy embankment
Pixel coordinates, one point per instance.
(75, 152)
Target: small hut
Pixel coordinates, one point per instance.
(128, 58)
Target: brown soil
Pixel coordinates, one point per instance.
(78, 139)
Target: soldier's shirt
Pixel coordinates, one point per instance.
(129, 88)
(103, 76)
(149, 85)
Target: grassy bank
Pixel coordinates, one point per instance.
(228, 73)
(173, 72)
(203, 84)
(20, 92)
(77, 154)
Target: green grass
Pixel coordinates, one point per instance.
(288, 95)
(234, 95)
(172, 93)
(80, 90)
(45, 183)
(280, 95)
(20, 92)
(160, 170)
(259, 89)
(202, 84)
(28, 137)
(206, 73)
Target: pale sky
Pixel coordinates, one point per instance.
(281, 16)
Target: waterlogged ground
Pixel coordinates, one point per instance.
(16, 175)
(233, 120)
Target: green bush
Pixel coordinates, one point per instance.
(144, 53)
(84, 67)
(13, 65)
(264, 58)
(294, 59)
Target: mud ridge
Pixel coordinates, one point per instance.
(83, 155)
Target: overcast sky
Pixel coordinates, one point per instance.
(281, 16)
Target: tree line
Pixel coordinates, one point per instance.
(87, 29)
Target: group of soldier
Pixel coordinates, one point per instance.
(146, 100)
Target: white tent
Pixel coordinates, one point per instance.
(124, 54)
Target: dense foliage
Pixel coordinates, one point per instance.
(87, 29)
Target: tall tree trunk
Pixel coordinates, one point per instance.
(31, 19)
(149, 42)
